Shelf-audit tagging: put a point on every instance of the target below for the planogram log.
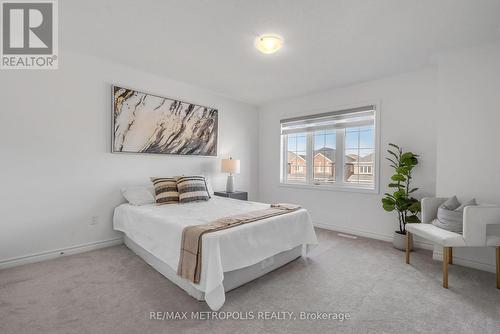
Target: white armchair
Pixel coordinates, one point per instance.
(476, 220)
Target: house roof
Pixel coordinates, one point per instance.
(321, 154)
(350, 158)
(367, 158)
(327, 152)
(293, 155)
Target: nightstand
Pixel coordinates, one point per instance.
(243, 195)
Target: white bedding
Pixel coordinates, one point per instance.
(158, 230)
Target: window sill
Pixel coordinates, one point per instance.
(326, 187)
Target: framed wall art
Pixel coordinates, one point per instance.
(147, 123)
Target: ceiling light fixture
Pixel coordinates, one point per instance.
(268, 43)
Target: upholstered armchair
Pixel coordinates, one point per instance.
(475, 222)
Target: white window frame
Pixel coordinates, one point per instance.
(339, 184)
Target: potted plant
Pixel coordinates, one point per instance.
(401, 200)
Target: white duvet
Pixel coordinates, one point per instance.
(158, 230)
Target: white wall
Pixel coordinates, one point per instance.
(408, 106)
(57, 171)
(468, 155)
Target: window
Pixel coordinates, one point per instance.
(334, 149)
(365, 169)
(324, 156)
(296, 157)
(360, 151)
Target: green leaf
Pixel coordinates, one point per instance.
(395, 185)
(415, 206)
(409, 159)
(413, 219)
(394, 154)
(394, 162)
(389, 207)
(413, 190)
(398, 177)
(394, 145)
(402, 170)
(407, 155)
(389, 200)
(399, 194)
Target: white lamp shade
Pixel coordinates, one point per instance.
(230, 166)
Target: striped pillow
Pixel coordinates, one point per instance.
(192, 189)
(165, 190)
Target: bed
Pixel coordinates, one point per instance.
(230, 257)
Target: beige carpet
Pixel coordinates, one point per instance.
(113, 291)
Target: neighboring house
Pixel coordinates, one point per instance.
(357, 169)
(324, 166)
(365, 165)
(296, 166)
(364, 169)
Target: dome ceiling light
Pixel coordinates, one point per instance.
(269, 43)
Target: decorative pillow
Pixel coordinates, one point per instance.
(210, 188)
(139, 195)
(449, 220)
(461, 208)
(452, 219)
(451, 203)
(165, 190)
(192, 189)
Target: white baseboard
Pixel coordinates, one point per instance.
(59, 252)
(438, 256)
(371, 235)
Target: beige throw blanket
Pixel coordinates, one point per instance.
(190, 257)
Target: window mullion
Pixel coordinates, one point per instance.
(284, 160)
(339, 156)
(309, 158)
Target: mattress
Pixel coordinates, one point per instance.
(158, 230)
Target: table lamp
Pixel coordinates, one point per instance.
(230, 166)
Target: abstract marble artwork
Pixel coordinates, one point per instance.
(145, 123)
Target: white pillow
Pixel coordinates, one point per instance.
(139, 195)
(209, 185)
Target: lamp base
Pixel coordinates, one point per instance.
(230, 184)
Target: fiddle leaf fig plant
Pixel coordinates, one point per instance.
(401, 200)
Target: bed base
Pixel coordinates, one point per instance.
(232, 279)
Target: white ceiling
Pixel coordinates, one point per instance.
(328, 43)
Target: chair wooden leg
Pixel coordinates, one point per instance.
(450, 255)
(408, 243)
(445, 267)
(498, 267)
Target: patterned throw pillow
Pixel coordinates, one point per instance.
(165, 190)
(192, 189)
